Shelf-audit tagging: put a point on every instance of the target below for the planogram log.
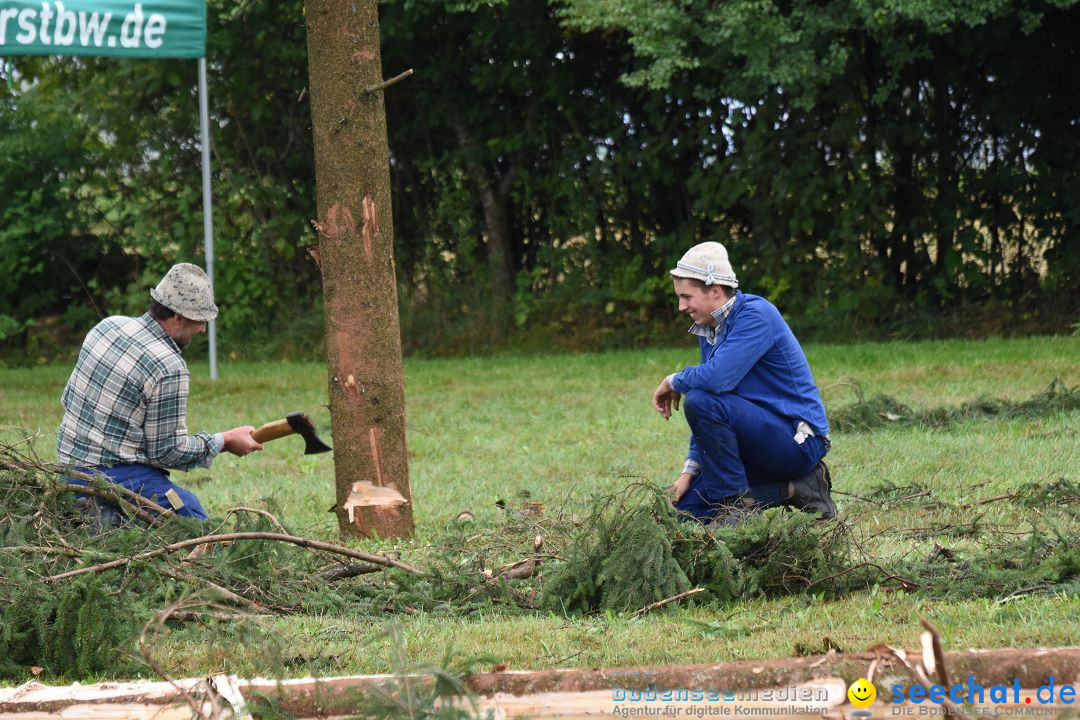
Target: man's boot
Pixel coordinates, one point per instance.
(99, 515)
(811, 493)
(733, 512)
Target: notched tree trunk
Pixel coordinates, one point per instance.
(356, 254)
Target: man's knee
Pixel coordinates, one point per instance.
(701, 403)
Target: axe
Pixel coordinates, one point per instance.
(298, 423)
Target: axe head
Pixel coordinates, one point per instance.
(302, 425)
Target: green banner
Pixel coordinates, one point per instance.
(155, 29)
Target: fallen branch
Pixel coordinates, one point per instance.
(987, 501)
(1024, 591)
(11, 459)
(36, 550)
(853, 495)
(520, 570)
(118, 498)
(268, 515)
(184, 603)
(130, 496)
(348, 570)
(665, 601)
(907, 584)
(223, 591)
(230, 537)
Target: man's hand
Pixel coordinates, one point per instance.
(238, 441)
(665, 399)
(680, 486)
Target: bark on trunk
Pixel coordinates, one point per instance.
(356, 255)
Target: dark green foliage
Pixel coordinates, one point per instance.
(621, 559)
(1062, 494)
(87, 625)
(781, 552)
(883, 411)
(625, 552)
(871, 166)
(76, 630)
(463, 571)
(636, 551)
(454, 581)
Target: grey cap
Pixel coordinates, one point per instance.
(707, 262)
(186, 291)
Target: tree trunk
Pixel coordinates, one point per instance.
(356, 256)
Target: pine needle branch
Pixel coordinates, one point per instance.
(230, 537)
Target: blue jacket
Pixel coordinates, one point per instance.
(757, 357)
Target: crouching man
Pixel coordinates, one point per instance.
(125, 405)
(758, 431)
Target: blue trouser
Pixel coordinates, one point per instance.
(150, 482)
(744, 449)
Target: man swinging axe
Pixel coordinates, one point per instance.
(125, 405)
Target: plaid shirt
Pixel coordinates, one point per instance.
(721, 315)
(126, 401)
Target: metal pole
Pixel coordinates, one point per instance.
(208, 209)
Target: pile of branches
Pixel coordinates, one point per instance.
(635, 552)
(1031, 546)
(73, 596)
(77, 602)
(881, 410)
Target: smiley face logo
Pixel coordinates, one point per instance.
(862, 693)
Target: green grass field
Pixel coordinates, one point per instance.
(560, 428)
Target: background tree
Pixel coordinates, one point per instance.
(877, 168)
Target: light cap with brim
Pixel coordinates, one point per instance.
(707, 262)
(186, 291)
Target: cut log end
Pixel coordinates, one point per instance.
(375, 511)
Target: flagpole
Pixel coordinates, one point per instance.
(208, 210)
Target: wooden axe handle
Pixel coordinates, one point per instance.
(272, 431)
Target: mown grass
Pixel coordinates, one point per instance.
(560, 428)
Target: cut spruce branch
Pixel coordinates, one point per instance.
(904, 582)
(256, 511)
(11, 459)
(230, 537)
(39, 550)
(152, 627)
(132, 497)
(661, 603)
(987, 501)
(110, 495)
(348, 570)
(223, 591)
